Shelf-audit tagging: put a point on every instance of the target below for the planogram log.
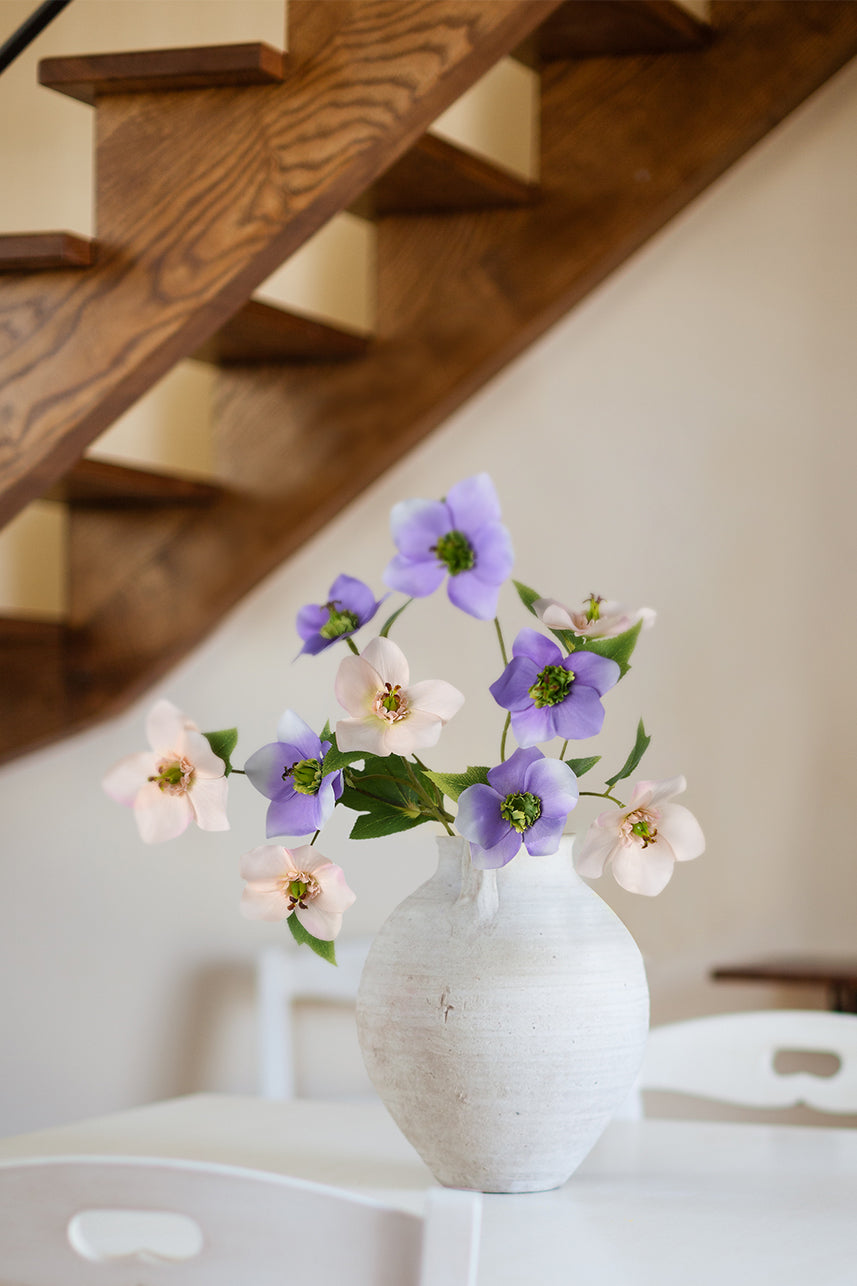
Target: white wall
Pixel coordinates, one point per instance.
(684, 440)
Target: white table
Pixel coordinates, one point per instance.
(657, 1203)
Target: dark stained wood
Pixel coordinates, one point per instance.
(599, 28)
(458, 297)
(437, 176)
(38, 251)
(836, 974)
(100, 484)
(33, 679)
(263, 333)
(201, 195)
(86, 76)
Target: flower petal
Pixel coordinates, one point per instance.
(508, 777)
(354, 596)
(473, 503)
(420, 730)
(678, 826)
(415, 577)
(555, 784)
(598, 672)
(512, 689)
(553, 614)
(310, 620)
(292, 731)
(542, 838)
(472, 595)
(368, 733)
(160, 816)
(436, 697)
(208, 801)
(320, 923)
(478, 817)
(416, 525)
(532, 725)
(388, 660)
(493, 553)
(165, 726)
(293, 814)
(489, 859)
(580, 715)
(264, 902)
(541, 650)
(356, 685)
(124, 779)
(597, 849)
(265, 862)
(265, 769)
(643, 870)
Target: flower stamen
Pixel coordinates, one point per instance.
(640, 827)
(521, 810)
(455, 551)
(174, 776)
(301, 888)
(339, 622)
(552, 686)
(306, 776)
(390, 703)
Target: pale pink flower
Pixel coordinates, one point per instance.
(389, 716)
(642, 843)
(179, 780)
(599, 618)
(299, 881)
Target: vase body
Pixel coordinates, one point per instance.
(502, 1017)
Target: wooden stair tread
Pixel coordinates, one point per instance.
(39, 251)
(86, 76)
(606, 28)
(101, 484)
(263, 333)
(437, 176)
(25, 631)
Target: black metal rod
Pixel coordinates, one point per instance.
(29, 29)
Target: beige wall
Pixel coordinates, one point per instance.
(684, 439)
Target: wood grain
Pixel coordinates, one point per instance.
(88, 76)
(202, 194)
(23, 252)
(101, 484)
(607, 28)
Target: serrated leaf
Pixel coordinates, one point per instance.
(581, 766)
(452, 784)
(336, 759)
(384, 821)
(223, 743)
(391, 620)
(618, 648)
(305, 939)
(327, 733)
(640, 747)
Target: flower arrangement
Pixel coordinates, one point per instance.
(551, 689)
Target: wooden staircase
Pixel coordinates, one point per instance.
(214, 166)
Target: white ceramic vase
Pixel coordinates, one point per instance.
(502, 1017)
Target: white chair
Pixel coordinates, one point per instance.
(140, 1221)
(731, 1058)
(284, 976)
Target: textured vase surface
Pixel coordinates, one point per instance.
(502, 1017)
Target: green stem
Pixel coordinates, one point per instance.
(603, 794)
(435, 812)
(500, 640)
(315, 837)
(354, 648)
(503, 738)
(564, 748)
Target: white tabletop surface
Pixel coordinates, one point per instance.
(657, 1203)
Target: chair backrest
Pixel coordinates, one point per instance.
(731, 1058)
(140, 1221)
(284, 976)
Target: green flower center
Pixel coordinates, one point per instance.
(300, 888)
(305, 775)
(174, 775)
(338, 623)
(521, 810)
(645, 830)
(552, 686)
(593, 607)
(390, 703)
(455, 551)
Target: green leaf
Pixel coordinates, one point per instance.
(581, 766)
(390, 621)
(327, 733)
(618, 648)
(453, 783)
(384, 821)
(640, 747)
(336, 758)
(526, 595)
(305, 939)
(223, 743)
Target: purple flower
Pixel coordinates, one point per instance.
(288, 772)
(349, 605)
(461, 536)
(549, 695)
(527, 801)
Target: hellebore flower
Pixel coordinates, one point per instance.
(600, 618)
(461, 536)
(179, 780)
(527, 801)
(388, 717)
(549, 695)
(299, 881)
(288, 772)
(642, 843)
(349, 605)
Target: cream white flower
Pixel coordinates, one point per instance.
(298, 881)
(389, 715)
(599, 618)
(642, 842)
(179, 780)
